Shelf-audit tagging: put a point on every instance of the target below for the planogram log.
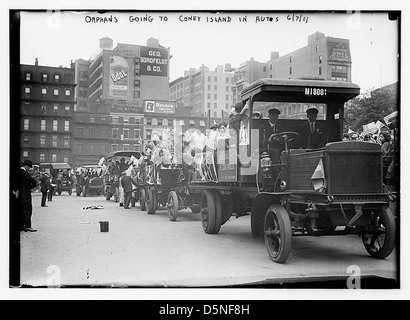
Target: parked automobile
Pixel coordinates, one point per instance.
(89, 180)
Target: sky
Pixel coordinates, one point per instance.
(58, 37)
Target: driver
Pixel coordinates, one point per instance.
(273, 146)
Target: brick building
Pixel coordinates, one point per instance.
(47, 105)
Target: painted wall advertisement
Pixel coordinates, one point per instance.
(165, 107)
(154, 61)
(119, 77)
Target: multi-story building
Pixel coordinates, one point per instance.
(124, 79)
(247, 73)
(81, 90)
(324, 58)
(204, 90)
(47, 104)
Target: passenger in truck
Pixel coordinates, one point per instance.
(312, 134)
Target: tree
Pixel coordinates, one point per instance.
(370, 107)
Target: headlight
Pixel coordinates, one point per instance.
(265, 160)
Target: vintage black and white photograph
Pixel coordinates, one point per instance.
(247, 149)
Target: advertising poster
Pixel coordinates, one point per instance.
(119, 79)
(167, 107)
(154, 62)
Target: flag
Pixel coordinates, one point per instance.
(318, 177)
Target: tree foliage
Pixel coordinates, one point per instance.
(371, 107)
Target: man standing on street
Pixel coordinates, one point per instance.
(127, 182)
(45, 187)
(26, 184)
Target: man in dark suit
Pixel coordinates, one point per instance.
(274, 147)
(45, 186)
(312, 135)
(127, 182)
(26, 184)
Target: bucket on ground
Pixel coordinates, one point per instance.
(104, 226)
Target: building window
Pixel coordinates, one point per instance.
(79, 147)
(25, 154)
(92, 120)
(114, 147)
(137, 121)
(320, 71)
(149, 121)
(56, 92)
(209, 105)
(43, 125)
(67, 108)
(55, 109)
(215, 114)
(209, 78)
(44, 77)
(317, 48)
(209, 96)
(28, 76)
(126, 133)
(56, 78)
(137, 133)
(165, 122)
(44, 91)
(114, 133)
(67, 125)
(137, 83)
(67, 92)
(54, 141)
(92, 131)
(209, 87)
(148, 134)
(154, 121)
(215, 96)
(215, 79)
(26, 140)
(53, 157)
(126, 120)
(55, 125)
(42, 157)
(103, 133)
(215, 106)
(226, 97)
(320, 59)
(114, 119)
(68, 78)
(66, 141)
(126, 147)
(65, 159)
(216, 88)
(137, 94)
(137, 147)
(27, 91)
(42, 141)
(92, 147)
(80, 132)
(290, 70)
(103, 149)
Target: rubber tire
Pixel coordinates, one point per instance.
(173, 211)
(389, 243)
(152, 201)
(278, 216)
(143, 199)
(218, 211)
(209, 219)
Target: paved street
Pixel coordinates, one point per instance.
(149, 250)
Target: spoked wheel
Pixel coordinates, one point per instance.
(379, 238)
(173, 206)
(143, 199)
(211, 215)
(278, 233)
(152, 201)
